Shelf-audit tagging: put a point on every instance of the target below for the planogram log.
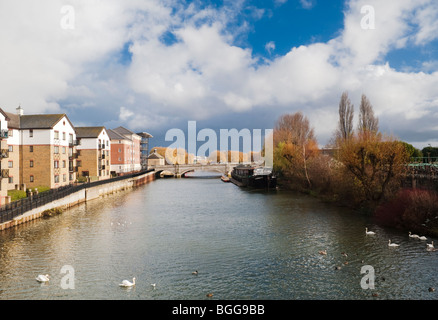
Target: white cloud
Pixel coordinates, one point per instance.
(203, 73)
(307, 4)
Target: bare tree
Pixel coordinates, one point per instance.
(367, 121)
(346, 113)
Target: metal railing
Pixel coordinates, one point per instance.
(14, 209)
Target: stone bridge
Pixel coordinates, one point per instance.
(179, 170)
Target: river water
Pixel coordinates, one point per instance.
(244, 244)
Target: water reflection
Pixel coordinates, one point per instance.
(245, 245)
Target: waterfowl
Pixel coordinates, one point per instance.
(369, 232)
(431, 289)
(422, 238)
(126, 283)
(195, 272)
(392, 244)
(413, 235)
(430, 245)
(153, 285)
(42, 278)
(323, 252)
(209, 295)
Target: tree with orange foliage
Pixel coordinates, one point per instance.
(376, 163)
(294, 146)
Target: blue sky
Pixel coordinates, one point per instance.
(153, 65)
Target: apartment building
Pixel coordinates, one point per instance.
(93, 151)
(4, 155)
(125, 150)
(41, 149)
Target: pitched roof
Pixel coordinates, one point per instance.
(41, 121)
(5, 114)
(113, 135)
(89, 132)
(155, 156)
(124, 131)
(13, 121)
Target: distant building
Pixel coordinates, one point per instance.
(155, 159)
(93, 158)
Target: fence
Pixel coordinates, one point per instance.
(14, 209)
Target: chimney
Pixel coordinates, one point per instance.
(20, 111)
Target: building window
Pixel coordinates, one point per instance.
(10, 132)
(31, 163)
(79, 163)
(11, 179)
(64, 163)
(30, 133)
(31, 179)
(56, 178)
(120, 150)
(120, 159)
(70, 138)
(56, 149)
(30, 148)
(63, 150)
(11, 148)
(63, 136)
(70, 176)
(56, 163)
(56, 134)
(64, 177)
(10, 164)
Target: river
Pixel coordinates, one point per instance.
(244, 244)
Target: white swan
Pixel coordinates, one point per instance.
(393, 244)
(413, 235)
(422, 238)
(430, 245)
(369, 232)
(126, 283)
(42, 278)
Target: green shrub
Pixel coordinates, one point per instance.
(17, 194)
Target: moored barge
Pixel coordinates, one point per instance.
(253, 176)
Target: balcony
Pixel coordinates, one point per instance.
(73, 143)
(4, 153)
(5, 173)
(4, 134)
(73, 156)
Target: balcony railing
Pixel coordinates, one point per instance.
(73, 143)
(5, 173)
(4, 134)
(4, 153)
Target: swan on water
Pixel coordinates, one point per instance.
(430, 245)
(42, 278)
(369, 232)
(195, 272)
(393, 244)
(126, 283)
(422, 238)
(413, 235)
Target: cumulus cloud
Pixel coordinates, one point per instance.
(184, 62)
